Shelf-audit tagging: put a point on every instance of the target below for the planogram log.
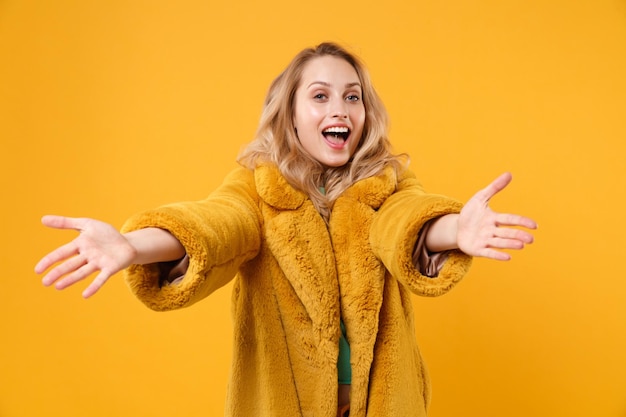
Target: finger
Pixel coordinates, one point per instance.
(494, 254)
(62, 269)
(96, 284)
(62, 222)
(504, 219)
(78, 275)
(495, 187)
(514, 234)
(500, 243)
(66, 251)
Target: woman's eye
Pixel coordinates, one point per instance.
(319, 96)
(353, 97)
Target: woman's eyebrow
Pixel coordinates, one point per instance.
(325, 84)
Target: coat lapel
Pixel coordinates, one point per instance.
(361, 275)
(298, 238)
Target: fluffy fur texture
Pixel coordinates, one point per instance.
(295, 277)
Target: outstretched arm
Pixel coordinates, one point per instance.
(480, 231)
(100, 247)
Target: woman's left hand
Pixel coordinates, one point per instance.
(484, 232)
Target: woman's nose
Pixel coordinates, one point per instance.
(338, 109)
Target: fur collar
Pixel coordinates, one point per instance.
(274, 189)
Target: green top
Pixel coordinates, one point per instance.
(343, 364)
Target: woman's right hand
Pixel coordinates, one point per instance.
(98, 248)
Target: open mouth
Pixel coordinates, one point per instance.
(336, 134)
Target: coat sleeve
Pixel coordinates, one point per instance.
(395, 230)
(218, 234)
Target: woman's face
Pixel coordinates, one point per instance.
(329, 113)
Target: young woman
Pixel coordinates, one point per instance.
(327, 234)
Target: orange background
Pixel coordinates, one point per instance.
(109, 108)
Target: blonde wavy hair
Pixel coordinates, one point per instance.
(276, 141)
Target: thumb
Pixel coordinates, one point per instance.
(495, 187)
(62, 222)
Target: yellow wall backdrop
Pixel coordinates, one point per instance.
(112, 107)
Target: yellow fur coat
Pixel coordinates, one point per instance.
(295, 277)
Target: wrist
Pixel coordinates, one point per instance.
(152, 245)
(442, 234)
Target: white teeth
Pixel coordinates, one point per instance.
(336, 130)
